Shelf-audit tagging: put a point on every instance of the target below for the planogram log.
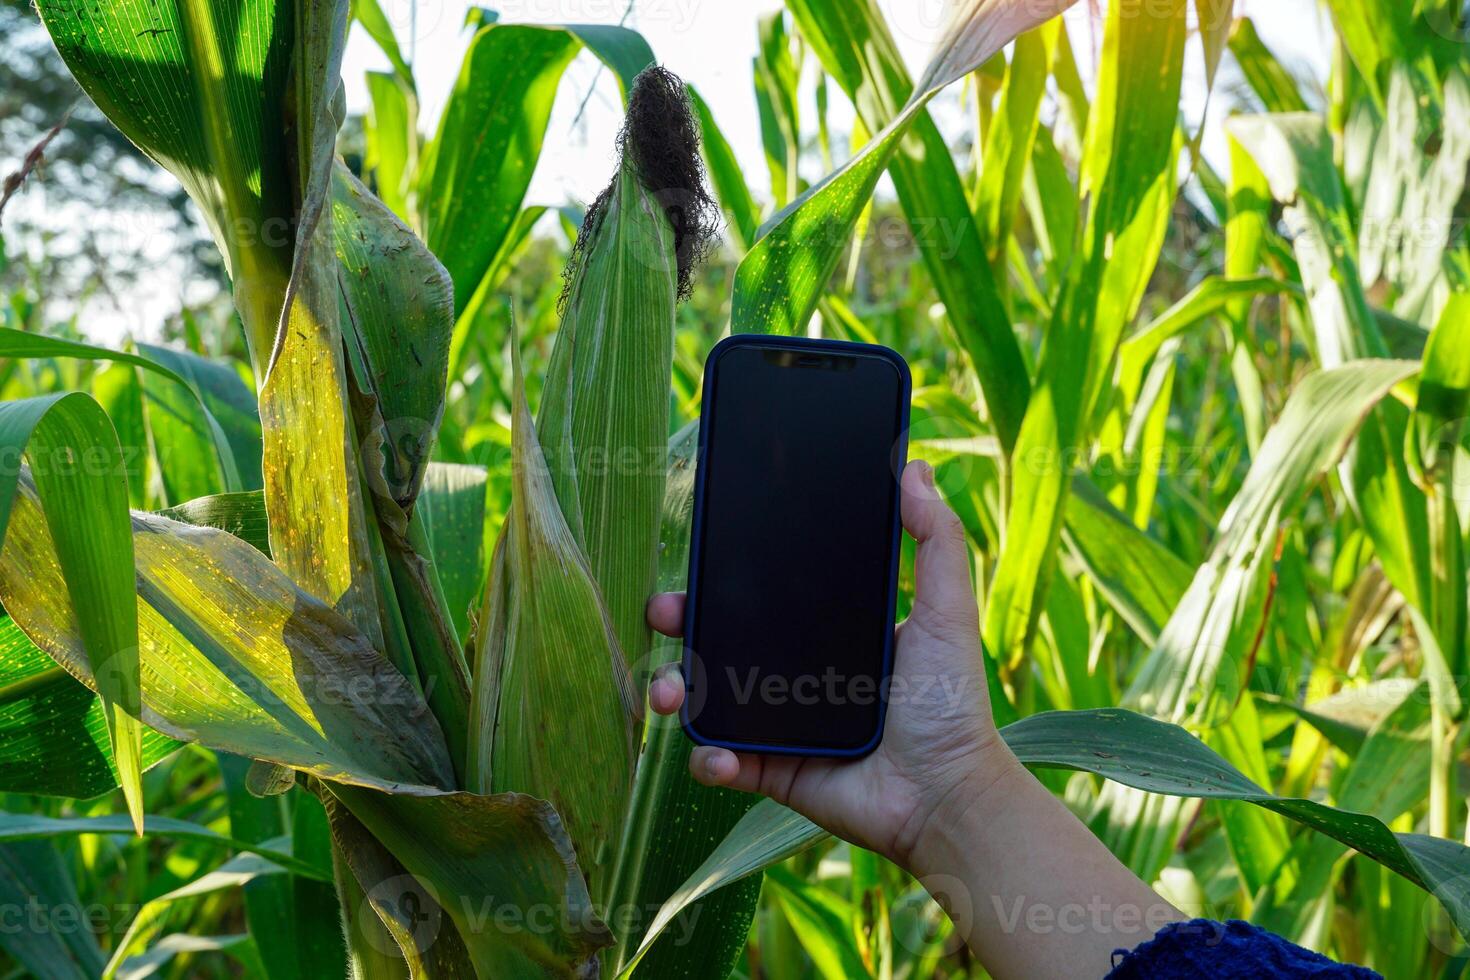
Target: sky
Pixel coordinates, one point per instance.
(709, 43)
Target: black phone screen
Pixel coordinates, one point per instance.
(793, 575)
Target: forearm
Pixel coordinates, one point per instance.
(1030, 888)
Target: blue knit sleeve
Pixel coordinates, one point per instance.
(1209, 950)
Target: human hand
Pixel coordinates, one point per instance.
(940, 750)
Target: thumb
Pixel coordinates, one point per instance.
(943, 596)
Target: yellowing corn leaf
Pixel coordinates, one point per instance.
(397, 318)
(234, 655)
(318, 534)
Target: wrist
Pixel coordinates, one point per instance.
(951, 816)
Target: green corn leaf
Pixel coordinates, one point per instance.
(1140, 578)
(319, 949)
(202, 88)
(1051, 203)
(482, 857)
(1271, 82)
(240, 514)
(398, 317)
(1008, 143)
(1161, 758)
(133, 949)
(1258, 840)
(1443, 404)
(369, 13)
(180, 426)
(79, 503)
(1128, 169)
(768, 834)
(270, 902)
(780, 281)
(1433, 458)
(230, 454)
(1246, 222)
(489, 138)
(1194, 667)
(1394, 509)
(625, 52)
(1345, 718)
(1128, 749)
(741, 212)
(1295, 153)
(397, 928)
(1209, 298)
(1377, 35)
(274, 684)
(776, 75)
(390, 140)
(240, 947)
(53, 731)
(551, 685)
(822, 922)
(34, 872)
(452, 508)
(479, 165)
(119, 391)
(1390, 774)
(372, 951)
(28, 826)
(485, 320)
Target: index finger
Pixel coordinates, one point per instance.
(666, 613)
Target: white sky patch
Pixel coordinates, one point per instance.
(709, 43)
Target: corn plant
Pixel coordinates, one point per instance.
(421, 679)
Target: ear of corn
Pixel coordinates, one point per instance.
(555, 672)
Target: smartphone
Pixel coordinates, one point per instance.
(793, 560)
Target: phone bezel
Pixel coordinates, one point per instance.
(797, 344)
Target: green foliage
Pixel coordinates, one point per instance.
(1205, 433)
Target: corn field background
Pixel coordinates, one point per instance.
(323, 644)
